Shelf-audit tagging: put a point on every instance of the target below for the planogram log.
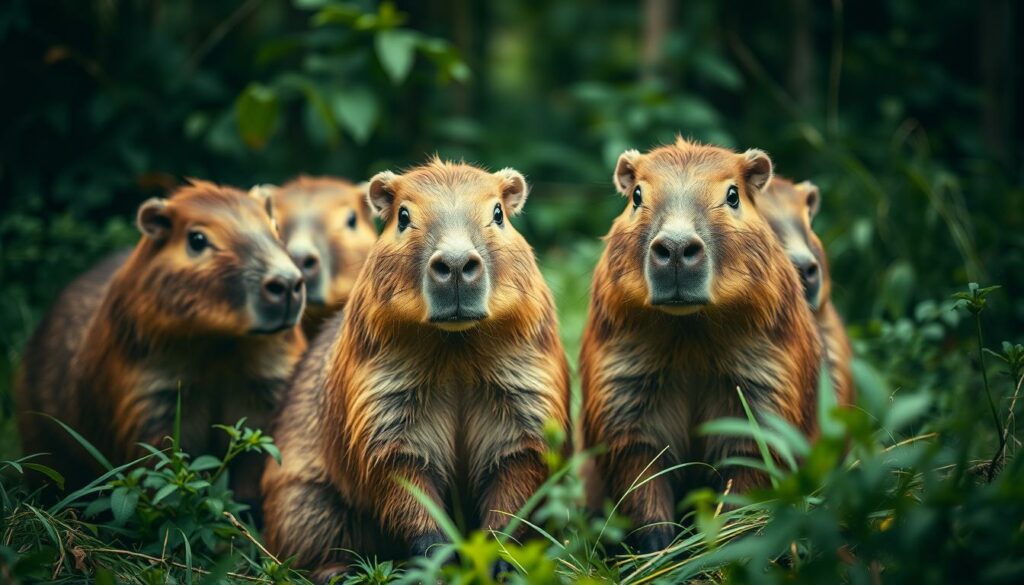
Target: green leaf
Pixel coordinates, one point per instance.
(273, 451)
(164, 492)
(257, 111)
(123, 502)
(48, 472)
(356, 109)
(204, 463)
(93, 451)
(396, 50)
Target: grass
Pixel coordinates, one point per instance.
(904, 486)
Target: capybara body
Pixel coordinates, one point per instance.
(327, 228)
(790, 208)
(443, 372)
(208, 302)
(692, 298)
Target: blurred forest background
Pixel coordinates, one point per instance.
(906, 114)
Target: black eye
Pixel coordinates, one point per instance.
(403, 219)
(352, 220)
(732, 197)
(197, 242)
(499, 215)
(638, 198)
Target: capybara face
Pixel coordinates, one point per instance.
(215, 265)
(790, 209)
(448, 254)
(690, 237)
(327, 229)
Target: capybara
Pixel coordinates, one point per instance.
(790, 208)
(443, 371)
(208, 302)
(327, 228)
(693, 297)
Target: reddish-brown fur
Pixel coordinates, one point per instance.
(385, 394)
(110, 356)
(326, 223)
(652, 375)
(790, 208)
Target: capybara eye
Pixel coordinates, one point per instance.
(351, 220)
(197, 242)
(732, 197)
(499, 215)
(638, 198)
(403, 219)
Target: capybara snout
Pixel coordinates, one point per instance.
(450, 255)
(219, 265)
(684, 210)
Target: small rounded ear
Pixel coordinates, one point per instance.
(514, 189)
(813, 195)
(380, 193)
(757, 168)
(265, 193)
(363, 203)
(625, 171)
(154, 218)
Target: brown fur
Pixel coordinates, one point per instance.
(790, 209)
(385, 395)
(109, 357)
(332, 214)
(649, 378)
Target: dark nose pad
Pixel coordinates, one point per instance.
(686, 252)
(464, 267)
(309, 264)
(810, 274)
(282, 290)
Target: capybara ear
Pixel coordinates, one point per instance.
(380, 194)
(625, 171)
(154, 218)
(757, 168)
(265, 194)
(513, 189)
(813, 195)
(363, 205)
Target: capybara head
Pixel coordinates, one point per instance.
(448, 254)
(212, 263)
(327, 228)
(690, 237)
(790, 209)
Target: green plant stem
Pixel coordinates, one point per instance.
(988, 394)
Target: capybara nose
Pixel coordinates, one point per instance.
(307, 258)
(282, 289)
(810, 275)
(464, 266)
(685, 251)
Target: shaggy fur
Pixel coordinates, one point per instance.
(109, 358)
(384, 394)
(650, 378)
(789, 209)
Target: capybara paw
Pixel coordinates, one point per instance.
(427, 545)
(651, 540)
(327, 575)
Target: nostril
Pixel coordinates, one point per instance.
(811, 270)
(275, 287)
(471, 268)
(661, 251)
(440, 269)
(693, 250)
(297, 289)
